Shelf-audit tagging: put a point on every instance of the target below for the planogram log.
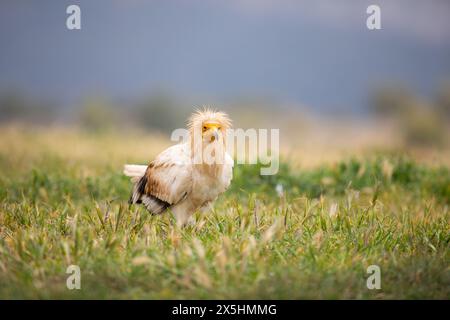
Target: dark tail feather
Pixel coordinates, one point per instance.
(138, 190)
(152, 203)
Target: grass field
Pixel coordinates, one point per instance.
(63, 201)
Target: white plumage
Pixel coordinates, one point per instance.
(175, 181)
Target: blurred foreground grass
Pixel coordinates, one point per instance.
(63, 201)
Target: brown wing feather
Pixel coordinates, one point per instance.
(155, 186)
(166, 182)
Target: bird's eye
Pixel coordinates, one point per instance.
(204, 128)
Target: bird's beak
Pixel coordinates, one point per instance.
(215, 135)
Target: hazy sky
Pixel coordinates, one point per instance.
(314, 53)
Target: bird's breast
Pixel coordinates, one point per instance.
(207, 187)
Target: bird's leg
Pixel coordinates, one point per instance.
(182, 213)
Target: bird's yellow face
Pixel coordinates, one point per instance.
(211, 131)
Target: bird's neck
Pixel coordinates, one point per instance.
(208, 158)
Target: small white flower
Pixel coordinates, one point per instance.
(279, 189)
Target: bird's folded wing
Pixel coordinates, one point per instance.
(169, 176)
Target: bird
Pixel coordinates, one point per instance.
(190, 175)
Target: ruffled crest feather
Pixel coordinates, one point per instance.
(200, 116)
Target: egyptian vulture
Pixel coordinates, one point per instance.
(187, 176)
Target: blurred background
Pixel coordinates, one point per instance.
(310, 68)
